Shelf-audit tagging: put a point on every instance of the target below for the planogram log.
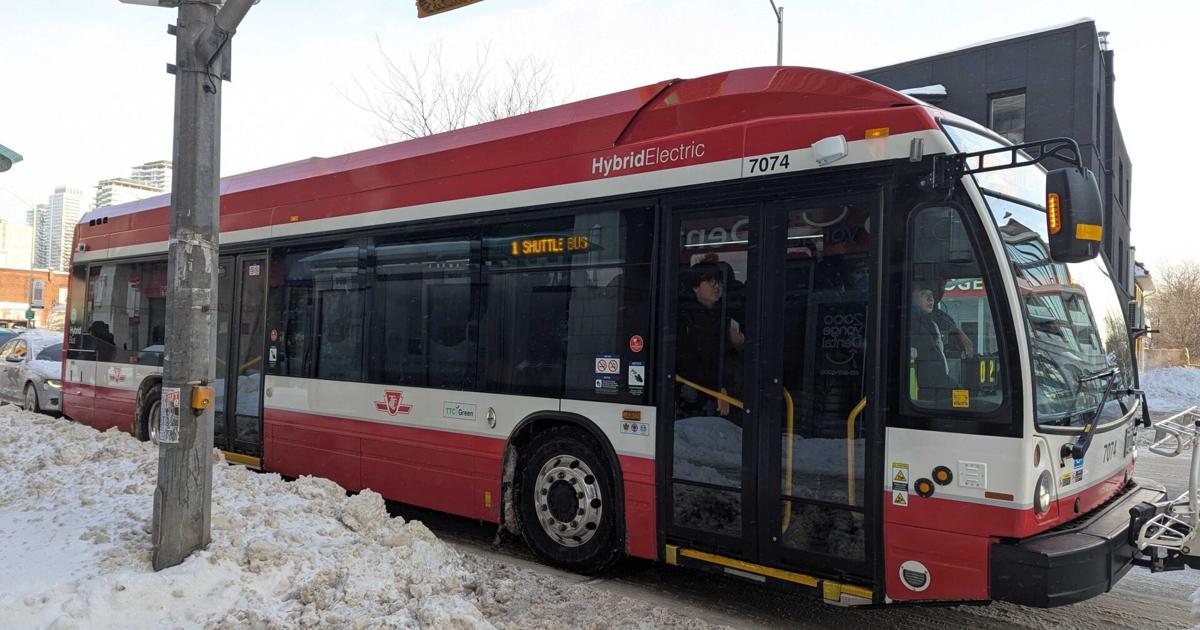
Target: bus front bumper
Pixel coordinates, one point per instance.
(1074, 563)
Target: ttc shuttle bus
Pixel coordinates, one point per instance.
(782, 323)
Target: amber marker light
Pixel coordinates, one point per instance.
(942, 475)
(879, 132)
(1053, 213)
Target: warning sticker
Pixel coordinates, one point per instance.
(900, 499)
(608, 364)
(168, 419)
(899, 481)
(637, 377)
(960, 398)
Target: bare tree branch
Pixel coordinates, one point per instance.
(422, 97)
(1174, 307)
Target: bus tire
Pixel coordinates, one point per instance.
(150, 407)
(567, 502)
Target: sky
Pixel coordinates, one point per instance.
(86, 96)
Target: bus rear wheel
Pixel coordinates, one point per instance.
(567, 502)
(151, 408)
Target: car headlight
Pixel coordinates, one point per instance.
(1041, 493)
(55, 383)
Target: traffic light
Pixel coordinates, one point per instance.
(426, 8)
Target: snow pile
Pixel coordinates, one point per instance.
(1196, 605)
(75, 511)
(1171, 389)
(75, 514)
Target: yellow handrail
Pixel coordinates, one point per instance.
(851, 490)
(791, 419)
(715, 394)
(791, 442)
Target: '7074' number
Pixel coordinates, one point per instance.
(770, 163)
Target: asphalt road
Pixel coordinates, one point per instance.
(1140, 600)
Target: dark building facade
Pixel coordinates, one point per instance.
(1034, 86)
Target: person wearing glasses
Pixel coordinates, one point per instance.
(709, 342)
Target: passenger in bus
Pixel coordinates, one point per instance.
(927, 350)
(104, 343)
(708, 345)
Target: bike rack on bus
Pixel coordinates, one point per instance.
(1166, 532)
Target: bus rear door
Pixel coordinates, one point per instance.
(241, 328)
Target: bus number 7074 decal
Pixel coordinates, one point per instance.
(769, 163)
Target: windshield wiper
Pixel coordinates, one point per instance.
(1079, 448)
(1099, 374)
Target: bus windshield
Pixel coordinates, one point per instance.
(1074, 320)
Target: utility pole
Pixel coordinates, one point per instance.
(779, 46)
(183, 497)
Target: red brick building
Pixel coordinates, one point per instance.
(50, 286)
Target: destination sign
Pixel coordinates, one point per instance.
(549, 246)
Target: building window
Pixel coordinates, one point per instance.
(1121, 182)
(1006, 116)
(37, 300)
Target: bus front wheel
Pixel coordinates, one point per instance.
(567, 504)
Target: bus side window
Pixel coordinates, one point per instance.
(952, 357)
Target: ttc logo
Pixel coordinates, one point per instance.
(392, 403)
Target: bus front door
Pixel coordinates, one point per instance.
(241, 326)
(766, 408)
(817, 312)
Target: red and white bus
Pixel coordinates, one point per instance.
(782, 323)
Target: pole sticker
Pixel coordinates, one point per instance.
(168, 420)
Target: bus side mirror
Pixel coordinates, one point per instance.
(1074, 214)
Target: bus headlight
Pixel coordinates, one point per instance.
(1041, 494)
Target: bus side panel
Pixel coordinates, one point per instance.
(114, 407)
(955, 565)
(440, 470)
(79, 390)
(298, 444)
(640, 525)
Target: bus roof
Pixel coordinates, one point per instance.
(661, 110)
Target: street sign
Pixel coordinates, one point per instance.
(426, 8)
(29, 315)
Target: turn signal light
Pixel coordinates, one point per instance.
(1053, 213)
(879, 132)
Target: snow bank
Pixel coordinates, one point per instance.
(1172, 389)
(75, 514)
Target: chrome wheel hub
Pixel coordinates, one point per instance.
(153, 421)
(568, 499)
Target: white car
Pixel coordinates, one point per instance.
(31, 369)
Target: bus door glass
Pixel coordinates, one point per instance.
(241, 327)
(711, 473)
(814, 396)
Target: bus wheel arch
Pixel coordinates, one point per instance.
(590, 463)
(149, 398)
